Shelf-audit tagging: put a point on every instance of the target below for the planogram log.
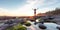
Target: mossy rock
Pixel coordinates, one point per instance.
(22, 28)
(17, 27)
(28, 24)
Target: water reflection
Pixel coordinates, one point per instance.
(50, 26)
(1, 24)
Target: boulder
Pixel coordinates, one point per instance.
(41, 26)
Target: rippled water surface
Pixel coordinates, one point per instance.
(50, 26)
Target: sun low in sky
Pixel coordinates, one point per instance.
(25, 7)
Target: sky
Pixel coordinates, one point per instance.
(26, 7)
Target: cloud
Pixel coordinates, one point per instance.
(29, 6)
(6, 12)
(43, 10)
(48, 5)
(50, 2)
(3, 12)
(27, 9)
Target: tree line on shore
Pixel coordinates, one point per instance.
(54, 12)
